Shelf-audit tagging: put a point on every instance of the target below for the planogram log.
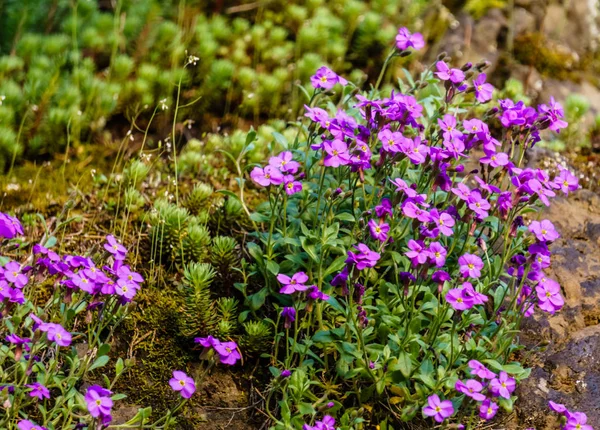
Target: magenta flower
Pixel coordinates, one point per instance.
(483, 90)
(12, 273)
(566, 181)
(577, 421)
(83, 283)
(285, 162)
(478, 204)
(443, 221)
(313, 293)
(544, 231)
(471, 388)
(418, 253)
(318, 115)
(411, 210)
(438, 409)
(390, 140)
(125, 289)
(403, 187)
(38, 390)
(415, 151)
(228, 352)
(557, 407)
(552, 114)
(17, 340)
(502, 386)
(268, 176)
(379, 230)
(494, 159)
(207, 342)
(291, 186)
(289, 316)
(405, 39)
(327, 423)
(293, 284)
(549, 298)
(286, 373)
(462, 191)
(473, 294)
(337, 153)
(459, 301)
(28, 425)
(448, 126)
(488, 410)
(57, 333)
(182, 383)
(445, 73)
(9, 226)
(363, 258)
(326, 79)
(480, 370)
(470, 266)
(437, 254)
(115, 248)
(99, 403)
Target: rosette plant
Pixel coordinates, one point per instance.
(401, 246)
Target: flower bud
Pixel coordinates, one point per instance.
(467, 66)
(404, 53)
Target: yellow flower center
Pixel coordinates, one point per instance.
(323, 79)
(182, 382)
(335, 152)
(438, 409)
(437, 254)
(98, 402)
(544, 231)
(378, 229)
(470, 266)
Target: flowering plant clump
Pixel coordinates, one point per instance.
(403, 249)
(58, 315)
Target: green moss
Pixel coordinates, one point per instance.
(533, 49)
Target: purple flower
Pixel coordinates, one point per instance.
(494, 159)
(385, 208)
(285, 163)
(566, 181)
(411, 210)
(379, 230)
(552, 113)
(549, 298)
(289, 316)
(483, 90)
(318, 115)
(478, 204)
(418, 254)
(557, 407)
(207, 342)
(401, 186)
(286, 373)
(314, 293)
(488, 409)
(125, 289)
(473, 294)
(17, 340)
(182, 383)
(577, 421)
(292, 187)
(57, 333)
(443, 221)
(98, 401)
(471, 388)
(391, 140)
(502, 386)
(9, 226)
(268, 176)
(115, 248)
(327, 423)
(363, 258)
(326, 79)
(480, 370)
(459, 301)
(447, 74)
(28, 425)
(438, 409)
(544, 231)
(12, 273)
(38, 390)
(337, 153)
(293, 284)
(415, 150)
(228, 352)
(470, 266)
(405, 39)
(437, 254)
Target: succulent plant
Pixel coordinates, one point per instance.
(198, 314)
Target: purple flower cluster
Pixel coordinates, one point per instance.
(227, 352)
(405, 39)
(279, 171)
(78, 273)
(326, 79)
(487, 384)
(10, 227)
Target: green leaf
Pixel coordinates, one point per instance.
(119, 396)
(256, 300)
(403, 364)
(345, 216)
(119, 366)
(100, 362)
(255, 251)
(258, 217)
(337, 265)
(306, 409)
(251, 136)
(273, 267)
(280, 138)
(103, 350)
(322, 336)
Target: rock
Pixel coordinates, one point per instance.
(565, 348)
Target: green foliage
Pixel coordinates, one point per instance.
(198, 314)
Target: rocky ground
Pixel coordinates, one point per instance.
(564, 349)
